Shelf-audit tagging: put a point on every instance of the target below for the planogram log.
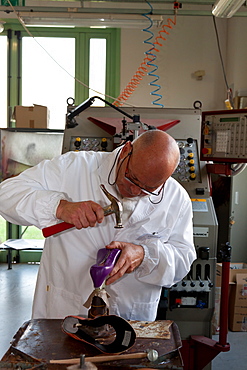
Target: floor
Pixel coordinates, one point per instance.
(16, 293)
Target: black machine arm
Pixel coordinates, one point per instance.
(86, 104)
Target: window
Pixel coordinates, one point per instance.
(97, 68)
(48, 71)
(3, 79)
(57, 64)
(2, 229)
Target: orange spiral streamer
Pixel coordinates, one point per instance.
(142, 69)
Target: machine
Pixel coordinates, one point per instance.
(191, 302)
(220, 139)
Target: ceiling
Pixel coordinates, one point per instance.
(106, 13)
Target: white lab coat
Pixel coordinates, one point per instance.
(64, 282)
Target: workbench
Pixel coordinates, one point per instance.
(21, 245)
(39, 341)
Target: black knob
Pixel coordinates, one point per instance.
(204, 253)
(210, 284)
(201, 284)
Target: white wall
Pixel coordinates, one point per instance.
(190, 46)
(237, 52)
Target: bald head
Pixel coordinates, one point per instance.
(146, 163)
(158, 150)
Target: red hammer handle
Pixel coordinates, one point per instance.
(55, 229)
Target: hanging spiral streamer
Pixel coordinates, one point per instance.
(143, 68)
(153, 83)
(147, 41)
(163, 30)
(151, 58)
(157, 42)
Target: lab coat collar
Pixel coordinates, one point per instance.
(142, 210)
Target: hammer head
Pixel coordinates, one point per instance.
(115, 207)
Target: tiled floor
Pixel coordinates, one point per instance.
(16, 293)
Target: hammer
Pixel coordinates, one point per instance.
(152, 355)
(115, 207)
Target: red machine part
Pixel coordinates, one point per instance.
(219, 168)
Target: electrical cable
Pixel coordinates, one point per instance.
(229, 90)
(220, 54)
(238, 168)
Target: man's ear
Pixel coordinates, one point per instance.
(125, 150)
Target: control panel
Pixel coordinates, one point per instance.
(189, 167)
(224, 136)
(78, 143)
(194, 289)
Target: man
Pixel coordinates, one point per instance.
(156, 242)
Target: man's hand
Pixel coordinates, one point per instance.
(80, 214)
(131, 257)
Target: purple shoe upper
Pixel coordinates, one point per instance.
(106, 259)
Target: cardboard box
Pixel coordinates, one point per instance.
(238, 295)
(243, 102)
(238, 304)
(217, 301)
(238, 319)
(216, 314)
(36, 116)
(235, 268)
(236, 102)
(240, 102)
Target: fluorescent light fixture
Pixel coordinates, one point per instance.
(226, 8)
(50, 25)
(90, 20)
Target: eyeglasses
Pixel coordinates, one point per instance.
(132, 182)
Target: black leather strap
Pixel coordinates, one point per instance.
(124, 338)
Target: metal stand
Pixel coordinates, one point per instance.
(198, 351)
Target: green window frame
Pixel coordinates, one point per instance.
(15, 32)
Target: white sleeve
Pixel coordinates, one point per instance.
(25, 199)
(168, 261)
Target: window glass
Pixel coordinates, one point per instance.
(97, 69)
(3, 79)
(3, 109)
(48, 70)
(2, 229)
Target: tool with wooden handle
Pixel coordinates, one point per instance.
(151, 355)
(115, 207)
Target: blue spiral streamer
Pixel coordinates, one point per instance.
(151, 59)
